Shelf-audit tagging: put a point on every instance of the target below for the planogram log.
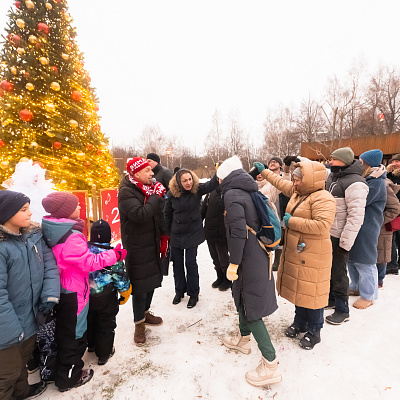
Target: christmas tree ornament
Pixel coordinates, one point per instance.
(65, 56)
(32, 39)
(97, 108)
(55, 86)
(49, 6)
(26, 115)
(24, 159)
(33, 145)
(30, 86)
(30, 5)
(50, 134)
(26, 74)
(6, 122)
(73, 123)
(43, 60)
(96, 128)
(7, 106)
(20, 51)
(81, 156)
(13, 70)
(2, 144)
(50, 107)
(63, 182)
(42, 27)
(20, 23)
(76, 95)
(17, 4)
(6, 86)
(57, 145)
(15, 40)
(65, 159)
(54, 70)
(89, 146)
(4, 164)
(99, 151)
(87, 164)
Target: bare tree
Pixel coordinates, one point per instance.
(235, 142)
(310, 122)
(214, 140)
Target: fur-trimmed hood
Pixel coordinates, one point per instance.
(176, 189)
(395, 171)
(5, 233)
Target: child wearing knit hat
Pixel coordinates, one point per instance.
(62, 230)
(30, 286)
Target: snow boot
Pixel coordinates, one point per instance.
(151, 319)
(331, 305)
(192, 301)
(220, 279)
(104, 360)
(36, 390)
(177, 299)
(309, 340)
(266, 373)
(87, 375)
(225, 285)
(238, 342)
(139, 336)
(337, 318)
(293, 331)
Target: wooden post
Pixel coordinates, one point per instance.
(95, 206)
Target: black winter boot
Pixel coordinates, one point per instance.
(309, 340)
(220, 279)
(293, 331)
(225, 285)
(337, 318)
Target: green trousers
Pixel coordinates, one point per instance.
(260, 333)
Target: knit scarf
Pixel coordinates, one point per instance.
(147, 190)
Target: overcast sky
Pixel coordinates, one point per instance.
(171, 63)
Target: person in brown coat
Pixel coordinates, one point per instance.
(392, 210)
(305, 266)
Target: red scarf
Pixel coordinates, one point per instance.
(147, 190)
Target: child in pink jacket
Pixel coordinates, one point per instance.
(62, 230)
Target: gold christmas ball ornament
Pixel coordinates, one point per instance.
(65, 159)
(20, 23)
(30, 4)
(20, 51)
(43, 60)
(13, 70)
(80, 156)
(55, 86)
(32, 39)
(4, 164)
(49, 6)
(73, 123)
(50, 107)
(50, 134)
(63, 182)
(30, 86)
(6, 122)
(24, 159)
(33, 145)
(65, 56)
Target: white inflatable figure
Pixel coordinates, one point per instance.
(29, 178)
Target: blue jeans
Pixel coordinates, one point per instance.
(381, 271)
(140, 304)
(190, 282)
(364, 279)
(308, 319)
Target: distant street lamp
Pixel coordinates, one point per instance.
(168, 152)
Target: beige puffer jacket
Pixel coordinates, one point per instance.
(304, 278)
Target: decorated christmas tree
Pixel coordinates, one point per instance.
(48, 109)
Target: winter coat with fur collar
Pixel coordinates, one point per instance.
(28, 277)
(394, 175)
(182, 212)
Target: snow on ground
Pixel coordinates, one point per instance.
(185, 360)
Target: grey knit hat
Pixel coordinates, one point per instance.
(298, 172)
(344, 154)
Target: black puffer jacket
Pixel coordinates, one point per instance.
(214, 225)
(255, 286)
(182, 211)
(162, 175)
(141, 228)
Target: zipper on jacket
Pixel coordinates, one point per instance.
(36, 250)
(86, 290)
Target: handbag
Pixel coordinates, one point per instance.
(393, 225)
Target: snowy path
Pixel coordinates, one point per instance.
(359, 360)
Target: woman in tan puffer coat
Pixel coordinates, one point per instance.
(304, 271)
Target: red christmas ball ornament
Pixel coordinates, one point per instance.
(97, 108)
(57, 1)
(96, 128)
(99, 151)
(88, 78)
(27, 74)
(26, 115)
(42, 27)
(89, 146)
(15, 40)
(104, 175)
(87, 164)
(76, 95)
(57, 145)
(18, 4)
(2, 144)
(54, 70)
(6, 86)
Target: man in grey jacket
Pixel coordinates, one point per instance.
(350, 191)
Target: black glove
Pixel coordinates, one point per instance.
(289, 159)
(342, 251)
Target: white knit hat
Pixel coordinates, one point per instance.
(229, 165)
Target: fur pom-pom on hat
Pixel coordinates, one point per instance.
(60, 204)
(228, 166)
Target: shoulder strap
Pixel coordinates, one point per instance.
(298, 203)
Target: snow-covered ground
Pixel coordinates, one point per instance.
(184, 358)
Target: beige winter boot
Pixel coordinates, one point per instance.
(266, 373)
(238, 342)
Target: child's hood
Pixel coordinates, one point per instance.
(5, 233)
(55, 228)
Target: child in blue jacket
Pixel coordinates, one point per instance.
(103, 299)
(29, 288)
